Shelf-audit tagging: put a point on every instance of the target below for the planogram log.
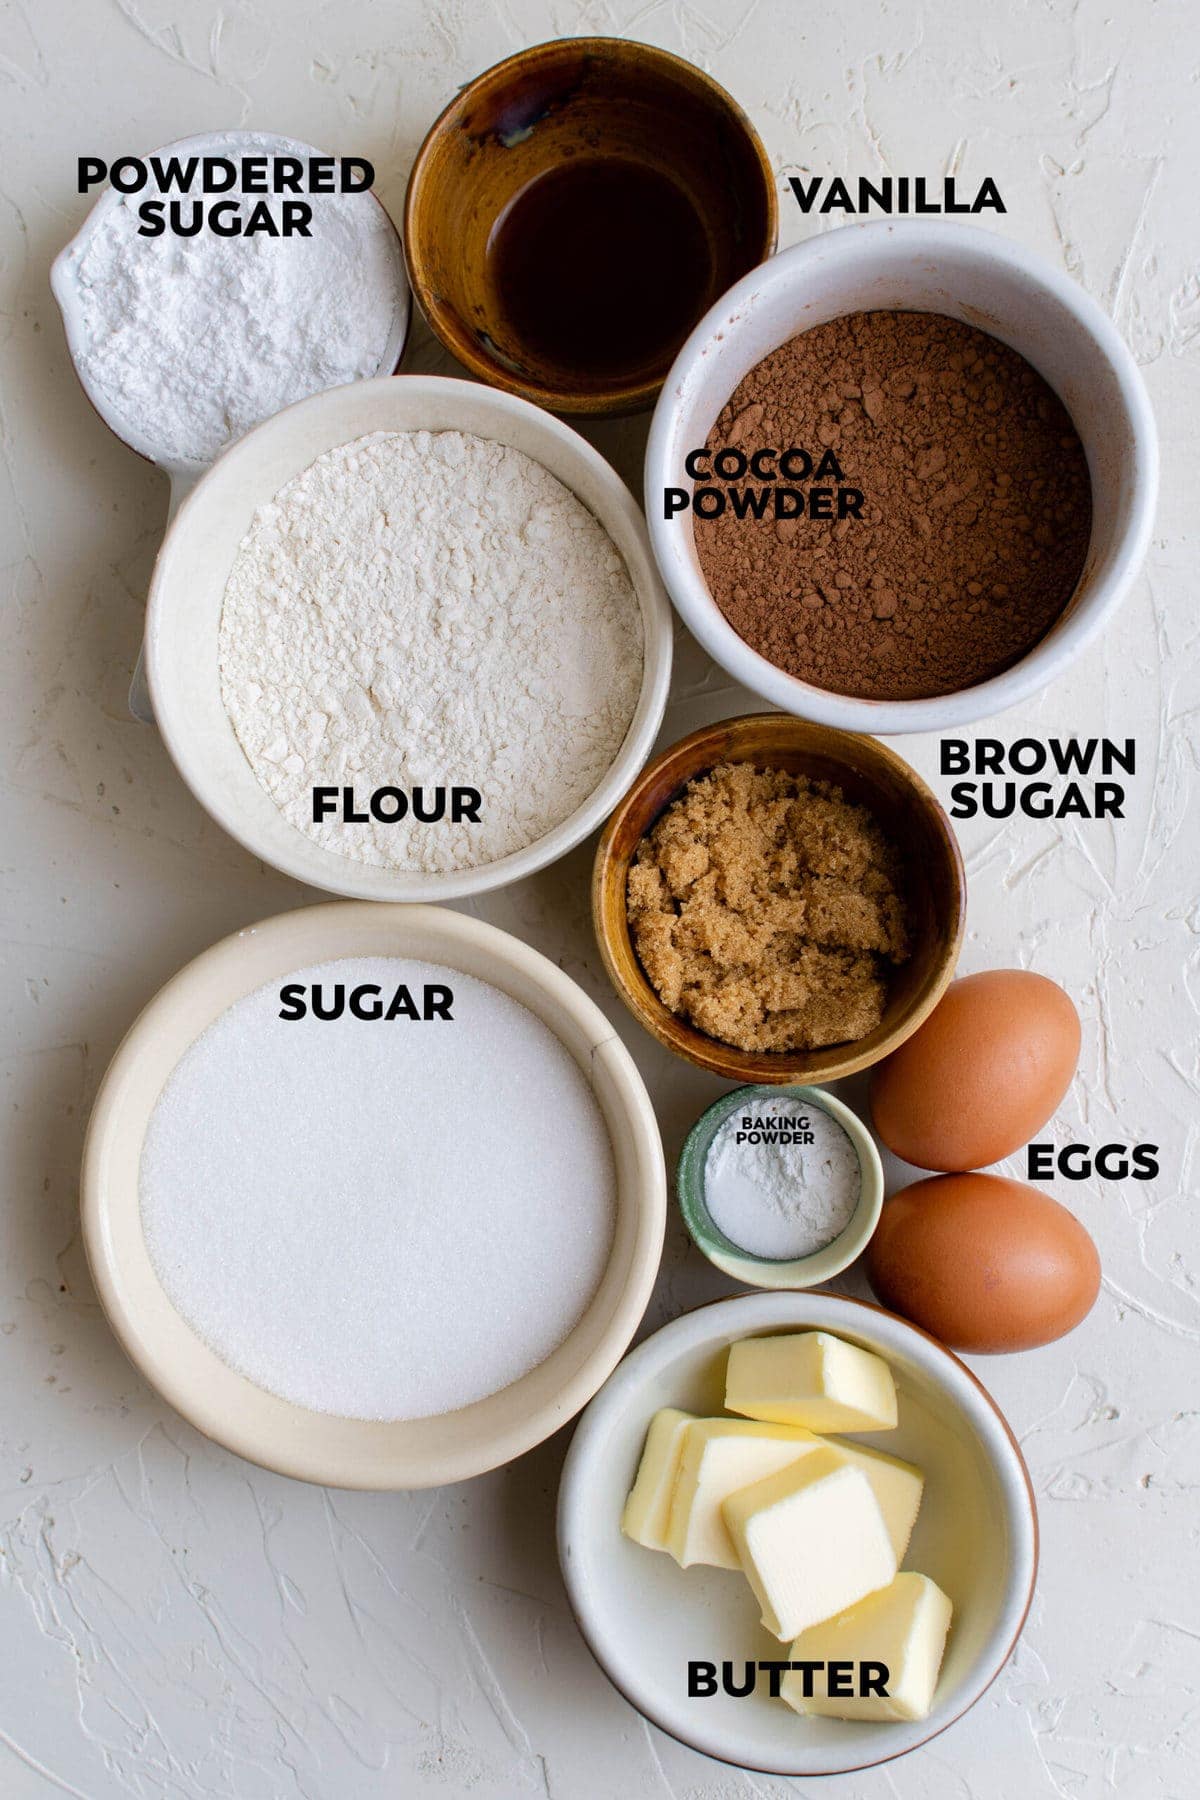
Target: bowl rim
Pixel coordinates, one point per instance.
(907, 240)
(685, 1039)
(213, 980)
(363, 881)
(779, 1273)
(982, 1406)
(62, 287)
(616, 398)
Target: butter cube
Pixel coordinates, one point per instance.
(719, 1457)
(811, 1539)
(903, 1627)
(897, 1487)
(648, 1507)
(810, 1378)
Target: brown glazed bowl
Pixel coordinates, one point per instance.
(603, 101)
(867, 772)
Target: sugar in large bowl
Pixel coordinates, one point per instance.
(402, 1147)
(373, 1195)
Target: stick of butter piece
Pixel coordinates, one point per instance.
(903, 1627)
(648, 1507)
(810, 1378)
(811, 1539)
(719, 1457)
(897, 1487)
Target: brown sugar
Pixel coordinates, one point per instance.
(975, 518)
(767, 910)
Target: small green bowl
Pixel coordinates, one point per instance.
(763, 1271)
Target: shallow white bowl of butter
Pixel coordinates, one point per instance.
(187, 592)
(645, 1618)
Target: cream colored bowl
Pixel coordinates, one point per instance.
(645, 1618)
(358, 1453)
(184, 613)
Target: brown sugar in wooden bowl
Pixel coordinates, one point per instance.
(868, 773)
(575, 211)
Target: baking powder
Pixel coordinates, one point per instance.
(434, 610)
(781, 1178)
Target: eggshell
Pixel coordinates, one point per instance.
(982, 1075)
(983, 1263)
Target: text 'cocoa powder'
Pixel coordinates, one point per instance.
(975, 516)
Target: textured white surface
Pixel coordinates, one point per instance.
(174, 1623)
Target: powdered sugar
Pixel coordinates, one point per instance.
(431, 609)
(186, 342)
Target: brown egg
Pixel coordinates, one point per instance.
(984, 1263)
(982, 1075)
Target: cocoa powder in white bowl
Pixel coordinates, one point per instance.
(982, 281)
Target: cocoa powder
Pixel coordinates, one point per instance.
(975, 508)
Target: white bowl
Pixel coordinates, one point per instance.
(186, 593)
(358, 1453)
(65, 286)
(984, 281)
(645, 1618)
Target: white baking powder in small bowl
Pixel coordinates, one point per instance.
(780, 1186)
(781, 1179)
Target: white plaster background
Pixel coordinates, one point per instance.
(173, 1622)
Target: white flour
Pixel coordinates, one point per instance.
(188, 342)
(790, 1186)
(430, 609)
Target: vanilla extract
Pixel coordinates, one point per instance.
(602, 263)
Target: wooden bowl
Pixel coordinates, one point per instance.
(867, 772)
(598, 111)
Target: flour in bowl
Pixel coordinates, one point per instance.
(429, 611)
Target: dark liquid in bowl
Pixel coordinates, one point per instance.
(601, 265)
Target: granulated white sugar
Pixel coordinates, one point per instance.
(383, 1219)
(781, 1178)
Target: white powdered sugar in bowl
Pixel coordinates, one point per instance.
(185, 342)
(433, 616)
